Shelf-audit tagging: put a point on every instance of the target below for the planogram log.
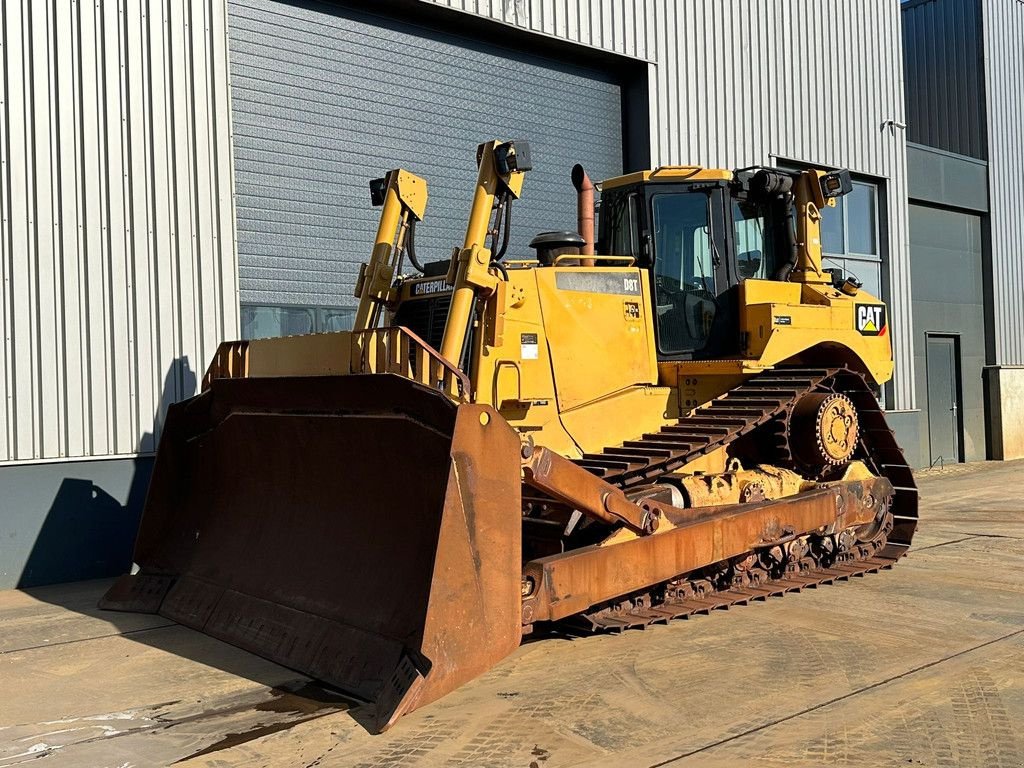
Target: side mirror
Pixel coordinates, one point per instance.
(748, 263)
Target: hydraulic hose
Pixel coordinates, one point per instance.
(410, 246)
(506, 228)
(784, 271)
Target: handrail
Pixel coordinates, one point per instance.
(398, 350)
(628, 260)
(230, 361)
(393, 349)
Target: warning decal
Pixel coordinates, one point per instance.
(871, 319)
(528, 347)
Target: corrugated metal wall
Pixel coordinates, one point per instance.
(117, 257)
(115, 185)
(737, 83)
(1003, 25)
(944, 71)
(620, 26)
(308, 136)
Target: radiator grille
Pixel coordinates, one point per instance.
(425, 317)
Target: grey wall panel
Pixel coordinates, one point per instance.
(326, 98)
(944, 73)
(910, 429)
(70, 520)
(738, 83)
(117, 247)
(942, 178)
(1003, 23)
(946, 259)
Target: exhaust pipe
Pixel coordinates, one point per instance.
(584, 212)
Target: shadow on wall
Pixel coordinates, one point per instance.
(88, 533)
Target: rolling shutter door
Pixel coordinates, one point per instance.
(325, 98)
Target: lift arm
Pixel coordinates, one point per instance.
(403, 196)
(803, 195)
(814, 190)
(500, 170)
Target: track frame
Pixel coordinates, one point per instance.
(604, 587)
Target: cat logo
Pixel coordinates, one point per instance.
(871, 319)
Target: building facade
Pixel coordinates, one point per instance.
(176, 174)
(965, 117)
(118, 263)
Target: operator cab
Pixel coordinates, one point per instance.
(701, 233)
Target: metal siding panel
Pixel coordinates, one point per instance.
(164, 254)
(945, 100)
(203, 194)
(9, 149)
(48, 282)
(181, 170)
(224, 177)
(668, 95)
(103, 423)
(91, 307)
(610, 25)
(68, 180)
(119, 340)
(308, 136)
(89, 251)
(22, 255)
(1003, 29)
(573, 13)
(140, 307)
(629, 28)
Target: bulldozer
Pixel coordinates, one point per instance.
(674, 413)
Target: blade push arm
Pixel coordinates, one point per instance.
(403, 197)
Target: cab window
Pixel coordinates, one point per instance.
(619, 223)
(684, 271)
(754, 242)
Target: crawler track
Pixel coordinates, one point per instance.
(764, 402)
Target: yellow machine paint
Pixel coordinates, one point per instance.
(567, 353)
(418, 448)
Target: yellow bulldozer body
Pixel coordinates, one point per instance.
(391, 514)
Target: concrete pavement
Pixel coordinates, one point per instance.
(921, 665)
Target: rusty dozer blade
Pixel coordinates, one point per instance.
(363, 530)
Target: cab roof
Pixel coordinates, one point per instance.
(669, 173)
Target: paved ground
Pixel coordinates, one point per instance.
(923, 665)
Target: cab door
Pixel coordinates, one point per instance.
(694, 310)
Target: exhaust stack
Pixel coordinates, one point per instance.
(584, 212)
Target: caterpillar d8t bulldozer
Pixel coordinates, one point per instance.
(677, 417)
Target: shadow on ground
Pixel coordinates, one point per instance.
(89, 536)
(87, 532)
